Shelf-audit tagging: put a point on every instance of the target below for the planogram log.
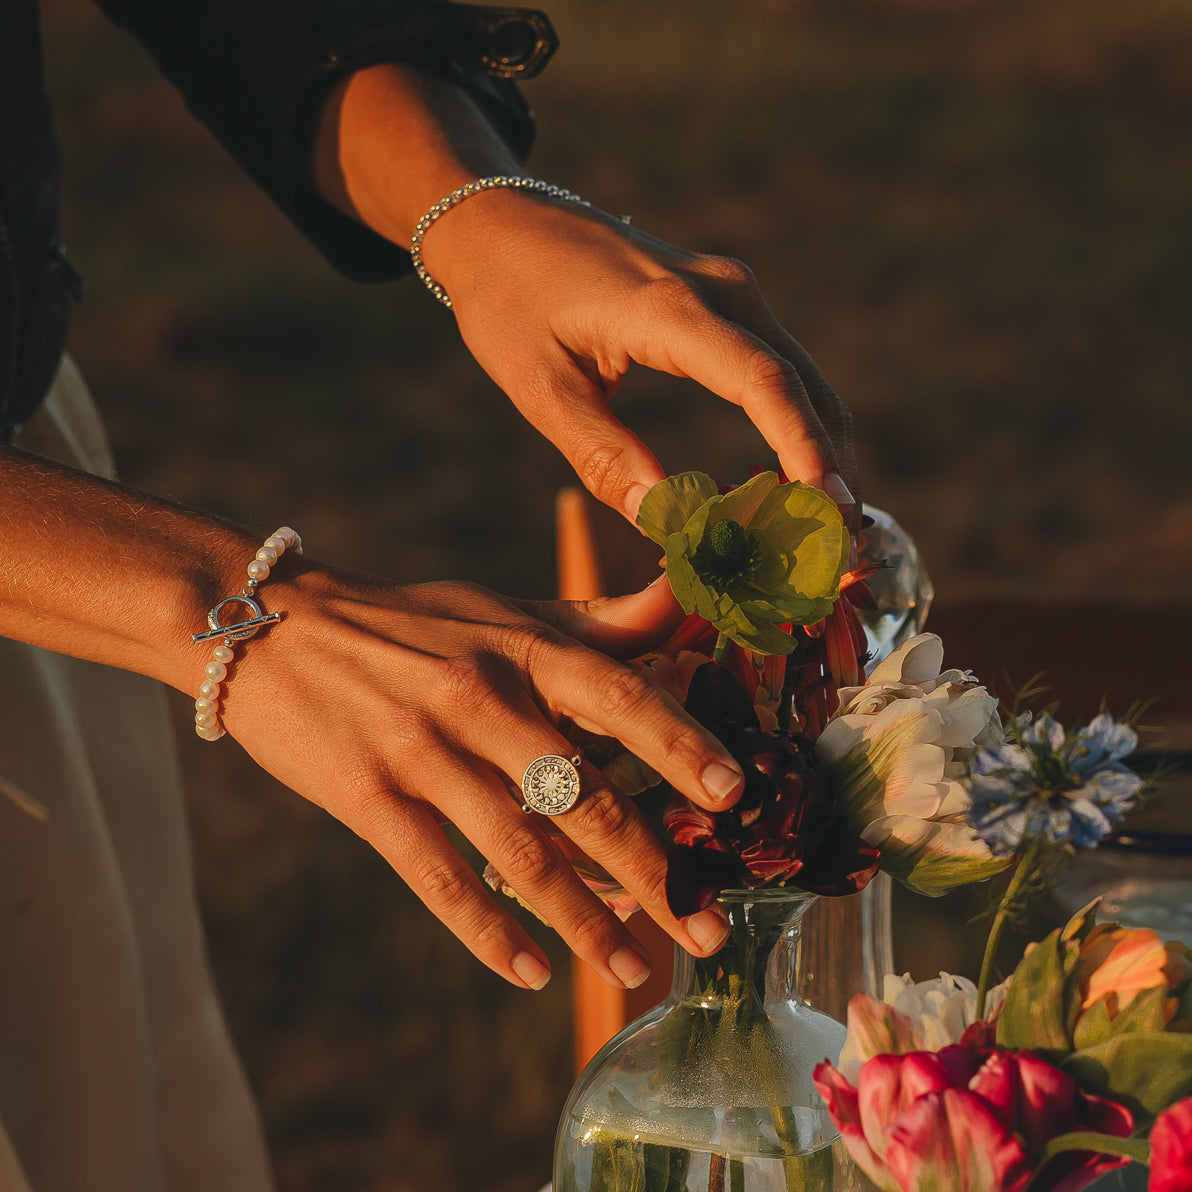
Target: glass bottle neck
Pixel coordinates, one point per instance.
(761, 954)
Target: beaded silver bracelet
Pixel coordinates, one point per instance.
(207, 723)
(496, 182)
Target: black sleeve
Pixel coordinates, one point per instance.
(256, 72)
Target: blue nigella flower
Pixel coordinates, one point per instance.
(1043, 783)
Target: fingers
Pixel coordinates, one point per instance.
(613, 700)
(611, 296)
(569, 407)
(621, 626)
(408, 835)
(605, 825)
(721, 334)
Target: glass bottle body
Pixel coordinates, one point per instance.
(712, 1091)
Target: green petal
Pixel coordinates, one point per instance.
(672, 502)
(932, 858)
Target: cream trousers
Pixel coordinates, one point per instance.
(116, 1072)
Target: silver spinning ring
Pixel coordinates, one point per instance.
(551, 784)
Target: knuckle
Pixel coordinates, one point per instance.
(593, 935)
(442, 886)
(527, 858)
(603, 469)
(766, 370)
(525, 644)
(364, 782)
(626, 694)
(459, 680)
(490, 936)
(601, 814)
(730, 272)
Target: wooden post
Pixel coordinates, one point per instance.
(599, 1010)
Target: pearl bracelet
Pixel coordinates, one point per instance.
(496, 182)
(207, 723)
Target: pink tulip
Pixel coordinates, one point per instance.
(957, 1121)
(1171, 1149)
(952, 1140)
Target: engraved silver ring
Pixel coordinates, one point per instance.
(551, 784)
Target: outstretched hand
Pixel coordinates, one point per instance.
(402, 709)
(556, 301)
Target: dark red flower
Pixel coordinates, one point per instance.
(783, 830)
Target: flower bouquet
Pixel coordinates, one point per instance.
(735, 1084)
(1080, 1061)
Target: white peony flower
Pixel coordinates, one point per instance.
(913, 1016)
(897, 751)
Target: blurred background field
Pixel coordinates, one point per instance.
(975, 215)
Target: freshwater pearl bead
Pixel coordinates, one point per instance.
(207, 723)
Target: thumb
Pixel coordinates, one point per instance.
(621, 626)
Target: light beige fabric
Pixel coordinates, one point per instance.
(116, 1072)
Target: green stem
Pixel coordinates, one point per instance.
(720, 651)
(1107, 1144)
(1021, 874)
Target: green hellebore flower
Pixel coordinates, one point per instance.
(752, 560)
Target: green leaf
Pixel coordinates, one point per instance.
(1093, 1026)
(1145, 1072)
(1033, 1015)
(1087, 1140)
(1147, 1012)
(672, 502)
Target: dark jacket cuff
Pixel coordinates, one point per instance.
(256, 72)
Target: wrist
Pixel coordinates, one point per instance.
(477, 191)
(393, 139)
(236, 619)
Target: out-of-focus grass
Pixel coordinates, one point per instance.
(975, 215)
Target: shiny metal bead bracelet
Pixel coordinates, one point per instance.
(495, 182)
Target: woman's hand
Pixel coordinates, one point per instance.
(398, 709)
(556, 300)
(402, 709)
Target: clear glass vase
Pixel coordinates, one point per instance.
(712, 1090)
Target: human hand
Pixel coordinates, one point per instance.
(399, 710)
(556, 300)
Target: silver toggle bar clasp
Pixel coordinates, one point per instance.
(238, 630)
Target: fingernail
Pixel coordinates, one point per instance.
(531, 970)
(628, 967)
(836, 488)
(707, 928)
(721, 781)
(634, 497)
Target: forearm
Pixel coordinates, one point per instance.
(98, 571)
(393, 140)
